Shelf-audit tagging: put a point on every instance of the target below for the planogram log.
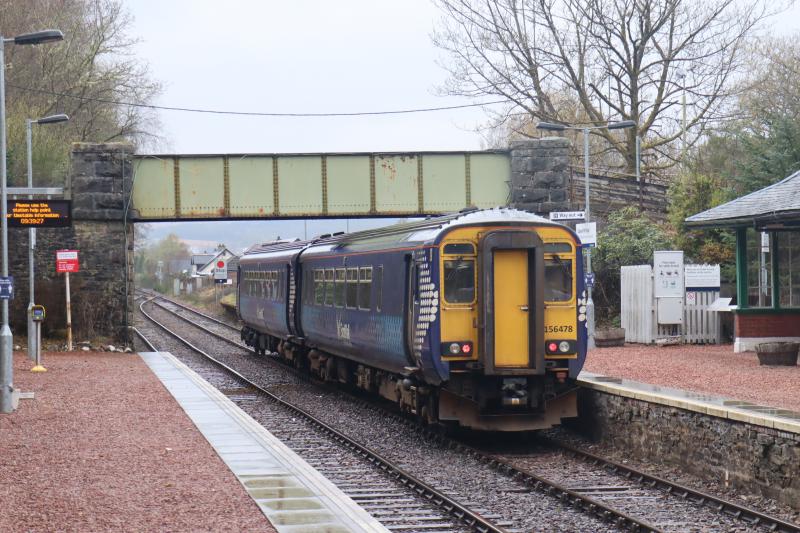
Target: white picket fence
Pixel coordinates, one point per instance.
(638, 311)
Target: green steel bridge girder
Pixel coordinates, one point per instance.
(207, 187)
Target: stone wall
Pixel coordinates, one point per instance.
(756, 459)
(100, 183)
(540, 175)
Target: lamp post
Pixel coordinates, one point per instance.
(561, 127)
(32, 340)
(6, 339)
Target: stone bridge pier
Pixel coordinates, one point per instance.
(102, 292)
(100, 184)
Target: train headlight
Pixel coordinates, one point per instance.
(455, 348)
(563, 346)
(552, 347)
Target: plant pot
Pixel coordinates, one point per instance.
(777, 353)
(605, 338)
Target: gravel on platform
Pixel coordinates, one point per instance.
(712, 368)
(104, 447)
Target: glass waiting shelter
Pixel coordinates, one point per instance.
(767, 225)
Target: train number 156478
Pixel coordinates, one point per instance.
(558, 329)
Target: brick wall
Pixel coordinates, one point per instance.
(767, 325)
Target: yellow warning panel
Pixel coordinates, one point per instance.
(511, 308)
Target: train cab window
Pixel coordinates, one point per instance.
(557, 248)
(364, 287)
(557, 279)
(379, 287)
(352, 288)
(328, 286)
(459, 248)
(459, 281)
(339, 287)
(319, 287)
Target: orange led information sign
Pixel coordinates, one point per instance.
(39, 213)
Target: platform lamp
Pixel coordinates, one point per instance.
(52, 119)
(610, 126)
(6, 340)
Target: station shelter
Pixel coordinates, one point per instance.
(767, 226)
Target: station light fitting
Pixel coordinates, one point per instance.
(52, 119)
(38, 37)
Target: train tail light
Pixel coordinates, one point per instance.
(559, 347)
(453, 348)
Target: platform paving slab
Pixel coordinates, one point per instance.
(292, 494)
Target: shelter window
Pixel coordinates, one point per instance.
(339, 287)
(459, 281)
(364, 287)
(328, 286)
(319, 287)
(759, 270)
(557, 279)
(789, 268)
(379, 286)
(352, 288)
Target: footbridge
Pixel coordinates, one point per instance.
(248, 186)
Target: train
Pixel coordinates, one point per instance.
(474, 319)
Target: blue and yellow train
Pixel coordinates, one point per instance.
(475, 318)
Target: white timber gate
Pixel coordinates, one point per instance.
(638, 311)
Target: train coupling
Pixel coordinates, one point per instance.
(515, 392)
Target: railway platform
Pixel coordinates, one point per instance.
(104, 446)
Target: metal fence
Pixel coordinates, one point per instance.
(638, 311)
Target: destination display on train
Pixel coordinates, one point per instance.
(39, 213)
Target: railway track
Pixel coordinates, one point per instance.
(619, 494)
(396, 498)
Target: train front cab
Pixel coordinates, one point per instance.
(509, 326)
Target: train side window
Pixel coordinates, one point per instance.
(557, 279)
(339, 288)
(459, 281)
(379, 287)
(364, 287)
(351, 300)
(328, 286)
(319, 287)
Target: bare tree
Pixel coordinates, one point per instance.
(83, 76)
(591, 61)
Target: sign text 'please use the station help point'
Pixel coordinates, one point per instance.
(39, 213)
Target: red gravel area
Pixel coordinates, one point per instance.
(704, 368)
(105, 447)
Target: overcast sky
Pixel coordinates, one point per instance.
(299, 56)
(302, 56)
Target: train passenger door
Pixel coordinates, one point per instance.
(512, 302)
(511, 308)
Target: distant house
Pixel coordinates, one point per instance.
(200, 260)
(207, 270)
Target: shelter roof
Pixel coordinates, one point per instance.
(778, 204)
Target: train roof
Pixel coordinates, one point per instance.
(423, 231)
